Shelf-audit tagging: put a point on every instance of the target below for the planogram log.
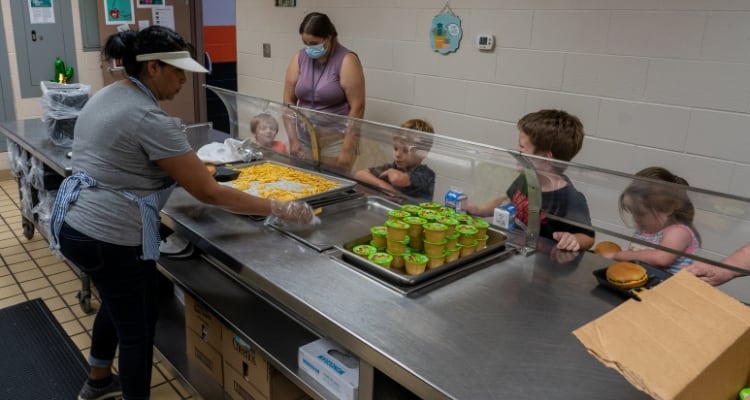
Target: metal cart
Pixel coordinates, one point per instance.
(33, 143)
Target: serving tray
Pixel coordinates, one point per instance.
(655, 277)
(343, 184)
(495, 243)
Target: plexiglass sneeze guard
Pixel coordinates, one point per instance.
(484, 173)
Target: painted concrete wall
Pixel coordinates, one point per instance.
(656, 82)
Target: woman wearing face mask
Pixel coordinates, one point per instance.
(324, 76)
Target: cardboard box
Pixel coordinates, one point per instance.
(203, 322)
(244, 359)
(684, 340)
(335, 368)
(200, 353)
(281, 388)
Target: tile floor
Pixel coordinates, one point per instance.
(29, 270)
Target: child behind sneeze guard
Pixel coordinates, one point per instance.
(405, 174)
(264, 128)
(663, 215)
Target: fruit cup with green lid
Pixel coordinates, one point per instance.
(382, 259)
(364, 250)
(378, 236)
(434, 232)
(396, 230)
(416, 263)
(468, 234)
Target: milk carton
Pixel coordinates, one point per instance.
(455, 199)
(505, 216)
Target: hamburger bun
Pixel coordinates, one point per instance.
(211, 169)
(627, 275)
(607, 247)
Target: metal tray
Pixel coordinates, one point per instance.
(344, 184)
(495, 243)
(655, 277)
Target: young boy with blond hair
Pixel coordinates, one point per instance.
(405, 174)
(264, 128)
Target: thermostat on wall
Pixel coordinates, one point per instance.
(485, 41)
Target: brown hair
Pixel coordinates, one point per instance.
(422, 142)
(555, 131)
(263, 117)
(657, 197)
(318, 25)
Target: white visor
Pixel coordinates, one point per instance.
(179, 59)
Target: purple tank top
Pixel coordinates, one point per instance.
(319, 85)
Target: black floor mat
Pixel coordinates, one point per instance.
(37, 358)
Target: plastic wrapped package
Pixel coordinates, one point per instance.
(61, 104)
(18, 158)
(43, 211)
(36, 173)
(27, 203)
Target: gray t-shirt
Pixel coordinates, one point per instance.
(118, 136)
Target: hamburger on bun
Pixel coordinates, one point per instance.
(627, 275)
(605, 247)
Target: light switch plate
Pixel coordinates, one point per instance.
(267, 50)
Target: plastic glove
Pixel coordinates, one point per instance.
(294, 212)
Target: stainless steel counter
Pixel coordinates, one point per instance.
(32, 136)
(503, 332)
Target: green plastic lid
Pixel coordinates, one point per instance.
(379, 230)
(480, 223)
(398, 213)
(435, 226)
(397, 224)
(415, 221)
(418, 258)
(364, 249)
(467, 229)
(411, 208)
(381, 258)
(447, 220)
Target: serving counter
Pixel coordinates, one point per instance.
(503, 331)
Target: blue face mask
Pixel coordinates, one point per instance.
(315, 51)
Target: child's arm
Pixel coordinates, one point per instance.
(678, 239)
(396, 178)
(364, 175)
(573, 241)
(487, 209)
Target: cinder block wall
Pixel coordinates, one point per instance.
(656, 82)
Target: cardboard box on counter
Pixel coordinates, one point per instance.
(684, 340)
(335, 368)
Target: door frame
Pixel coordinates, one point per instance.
(7, 111)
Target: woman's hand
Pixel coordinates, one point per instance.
(711, 274)
(295, 212)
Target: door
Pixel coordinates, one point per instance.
(41, 40)
(189, 104)
(6, 94)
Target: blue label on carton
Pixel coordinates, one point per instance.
(505, 216)
(455, 199)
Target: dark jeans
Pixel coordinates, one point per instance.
(127, 316)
